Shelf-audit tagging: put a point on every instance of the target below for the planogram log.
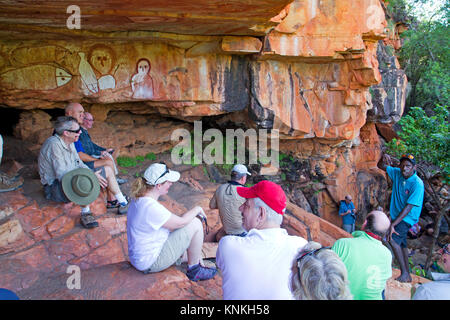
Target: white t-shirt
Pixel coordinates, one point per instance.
(145, 231)
(258, 266)
(439, 289)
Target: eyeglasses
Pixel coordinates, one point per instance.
(74, 131)
(310, 253)
(164, 173)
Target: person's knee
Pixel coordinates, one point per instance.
(108, 171)
(197, 224)
(194, 226)
(109, 163)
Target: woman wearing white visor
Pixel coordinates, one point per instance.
(158, 238)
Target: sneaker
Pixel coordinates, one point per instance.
(88, 221)
(9, 184)
(199, 273)
(121, 181)
(123, 209)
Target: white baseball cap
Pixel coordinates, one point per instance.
(158, 173)
(240, 168)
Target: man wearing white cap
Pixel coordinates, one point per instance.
(227, 200)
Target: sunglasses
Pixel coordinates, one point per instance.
(74, 131)
(203, 219)
(164, 173)
(312, 252)
(409, 156)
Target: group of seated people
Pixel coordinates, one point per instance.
(71, 166)
(257, 258)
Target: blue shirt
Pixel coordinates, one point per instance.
(343, 208)
(78, 146)
(89, 147)
(405, 191)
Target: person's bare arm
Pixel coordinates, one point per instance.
(85, 157)
(213, 202)
(406, 210)
(176, 222)
(385, 161)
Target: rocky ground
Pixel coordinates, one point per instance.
(40, 240)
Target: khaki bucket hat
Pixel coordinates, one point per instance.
(81, 186)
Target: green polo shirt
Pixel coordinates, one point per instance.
(368, 264)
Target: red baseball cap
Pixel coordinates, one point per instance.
(269, 192)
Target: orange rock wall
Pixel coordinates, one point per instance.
(304, 68)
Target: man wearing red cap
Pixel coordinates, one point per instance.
(258, 266)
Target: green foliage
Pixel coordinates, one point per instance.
(425, 53)
(427, 137)
(150, 156)
(140, 158)
(227, 167)
(426, 59)
(126, 162)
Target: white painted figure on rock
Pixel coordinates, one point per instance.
(142, 82)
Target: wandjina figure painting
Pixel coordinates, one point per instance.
(142, 82)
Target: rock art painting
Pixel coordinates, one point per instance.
(102, 59)
(35, 77)
(62, 77)
(88, 79)
(142, 82)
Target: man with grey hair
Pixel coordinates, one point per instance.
(367, 260)
(86, 145)
(228, 202)
(258, 266)
(58, 157)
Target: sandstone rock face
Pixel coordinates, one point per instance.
(389, 96)
(316, 71)
(40, 240)
(321, 91)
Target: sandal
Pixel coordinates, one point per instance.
(88, 221)
(112, 204)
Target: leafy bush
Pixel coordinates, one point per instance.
(426, 137)
(150, 156)
(126, 162)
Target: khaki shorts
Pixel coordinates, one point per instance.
(174, 247)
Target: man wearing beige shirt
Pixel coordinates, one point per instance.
(228, 202)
